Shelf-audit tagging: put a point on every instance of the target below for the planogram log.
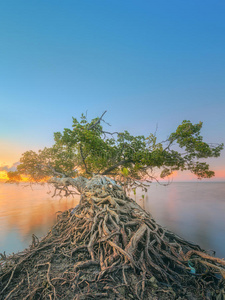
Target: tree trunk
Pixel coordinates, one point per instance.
(108, 247)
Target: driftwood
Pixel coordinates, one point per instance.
(108, 247)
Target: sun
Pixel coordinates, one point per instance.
(3, 176)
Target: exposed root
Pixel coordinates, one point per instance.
(110, 248)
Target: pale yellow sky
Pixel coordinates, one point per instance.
(10, 153)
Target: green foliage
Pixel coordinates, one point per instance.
(125, 172)
(38, 166)
(87, 149)
(14, 176)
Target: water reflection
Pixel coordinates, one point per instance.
(194, 211)
(24, 212)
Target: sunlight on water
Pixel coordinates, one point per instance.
(25, 211)
(194, 211)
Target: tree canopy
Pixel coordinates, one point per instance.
(108, 247)
(87, 149)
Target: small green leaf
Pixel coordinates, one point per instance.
(125, 172)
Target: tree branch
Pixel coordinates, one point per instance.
(97, 122)
(83, 159)
(55, 172)
(122, 162)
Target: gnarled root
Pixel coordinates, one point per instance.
(108, 247)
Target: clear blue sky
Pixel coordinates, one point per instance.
(145, 62)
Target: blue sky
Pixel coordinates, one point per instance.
(145, 62)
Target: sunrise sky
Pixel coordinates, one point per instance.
(148, 63)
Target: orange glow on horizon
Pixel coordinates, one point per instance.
(180, 176)
(4, 178)
(188, 176)
(220, 174)
(174, 174)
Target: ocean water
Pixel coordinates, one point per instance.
(195, 211)
(27, 210)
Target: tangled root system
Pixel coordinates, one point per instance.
(108, 247)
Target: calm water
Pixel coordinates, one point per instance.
(25, 211)
(195, 211)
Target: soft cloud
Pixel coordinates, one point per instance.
(8, 168)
